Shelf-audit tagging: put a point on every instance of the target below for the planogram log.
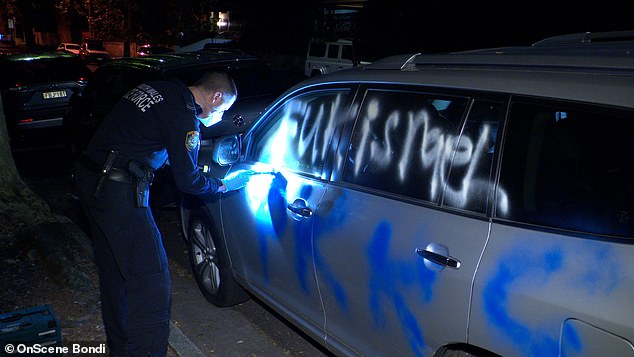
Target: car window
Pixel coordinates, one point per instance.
(471, 172)
(333, 51)
(45, 70)
(402, 142)
(347, 53)
(253, 81)
(108, 85)
(250, 80)
(299, 133)
(317, 49)
(569, 166)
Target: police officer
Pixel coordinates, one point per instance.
(152, 122)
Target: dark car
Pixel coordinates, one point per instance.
(257, 87)
(8, 47)
(150, 49)
(36, 89)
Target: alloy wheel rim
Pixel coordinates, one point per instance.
(205, 258)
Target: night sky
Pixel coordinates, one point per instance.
(437, 26)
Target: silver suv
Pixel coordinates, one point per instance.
(477, 202)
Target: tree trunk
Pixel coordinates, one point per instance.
(20, 207)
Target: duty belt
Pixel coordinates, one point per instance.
(114, 173)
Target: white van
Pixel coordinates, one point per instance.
(325, 57)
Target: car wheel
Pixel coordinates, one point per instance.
(210, 263)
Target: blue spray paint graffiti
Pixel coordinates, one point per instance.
(599, 274)
(535, 343)
(333, 217)
(303, 245)
(571, 340)
(270, 216)
(272, 221)
(387, 279)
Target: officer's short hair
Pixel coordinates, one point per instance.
(218, 82)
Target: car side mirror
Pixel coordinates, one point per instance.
(227, 150)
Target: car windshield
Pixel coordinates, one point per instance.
(44, 70)
(254, 81)
(250, 80)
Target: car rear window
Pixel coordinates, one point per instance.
(250, 80)
(45, 70)
(568, 166)
(254, 81)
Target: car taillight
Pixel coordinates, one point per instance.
(19, 87)
(24, 121)
(82, 80)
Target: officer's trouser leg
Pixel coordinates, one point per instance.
(113, 295)
(135, 283)
(148, 291)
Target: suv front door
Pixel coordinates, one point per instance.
(415, 193)
(268, 225)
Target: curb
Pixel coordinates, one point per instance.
(182, 345)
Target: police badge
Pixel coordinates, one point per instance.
(192, 140)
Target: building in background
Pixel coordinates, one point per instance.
(340, 19)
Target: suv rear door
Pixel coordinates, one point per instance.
(268, 225)
(413, 191)
(558, 275)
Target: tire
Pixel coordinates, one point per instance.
(463, 350)
(210, 263)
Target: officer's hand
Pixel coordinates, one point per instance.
(237, 180)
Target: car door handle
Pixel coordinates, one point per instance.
(302, 211)
(439, 259)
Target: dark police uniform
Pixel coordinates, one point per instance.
(150, 123)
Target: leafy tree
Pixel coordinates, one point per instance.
(152, 20)
(38, 15)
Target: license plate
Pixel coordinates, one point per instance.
(55, 94)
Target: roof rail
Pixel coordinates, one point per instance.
(405, 62)
(586, 37)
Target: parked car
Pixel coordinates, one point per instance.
(93, 51)
(36, 88)
(256, 85)
(150, 49)
(470, 203)
(69, 47)
(216, 48)
(325, 57)
(8, 47)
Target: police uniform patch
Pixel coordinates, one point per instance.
(192, 140)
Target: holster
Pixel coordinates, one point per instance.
(144, 176)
